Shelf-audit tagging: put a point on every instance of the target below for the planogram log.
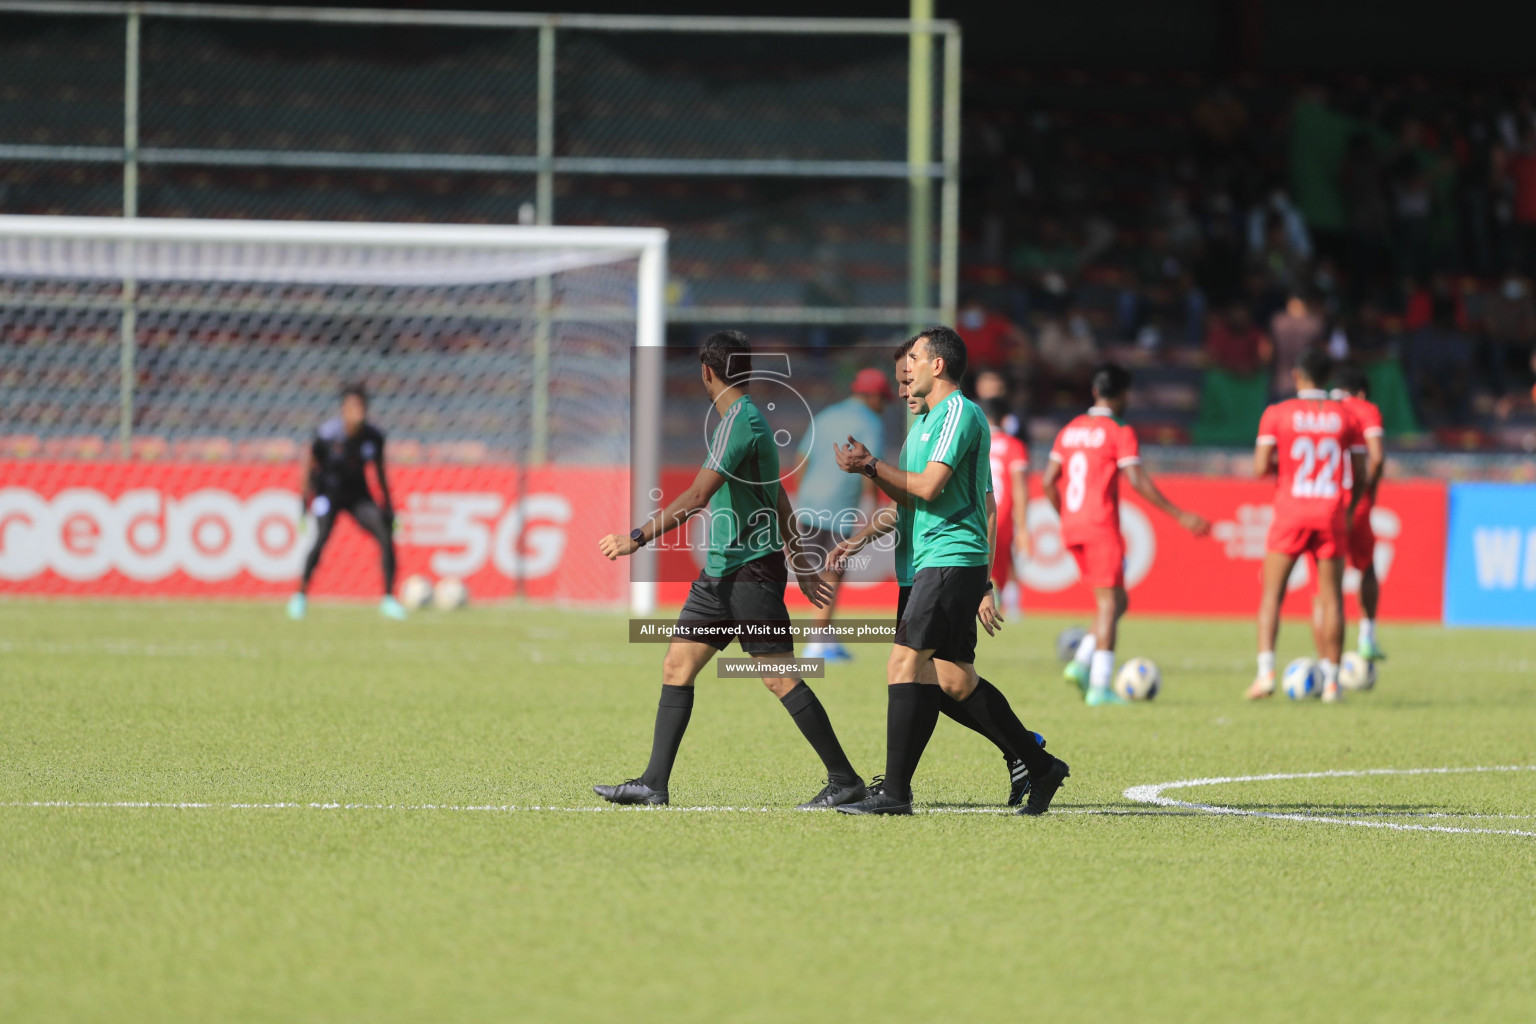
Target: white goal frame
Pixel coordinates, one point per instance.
(646, 245)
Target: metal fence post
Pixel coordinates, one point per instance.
(538, 413)
(949, 214)
(545, 199)
(646, 416)
(128, 323)
(919, 155)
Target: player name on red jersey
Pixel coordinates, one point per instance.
(1313, 437)
(1317, 421)
(1083, 437)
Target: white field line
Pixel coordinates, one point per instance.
(129, 647)
(1146, 795)
(1153, 795)
(473, 808)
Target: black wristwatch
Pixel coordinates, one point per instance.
(868, 469)
(638, 536)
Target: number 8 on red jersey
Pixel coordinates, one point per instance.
(1092, 449)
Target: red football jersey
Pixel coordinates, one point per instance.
(1312, 435)
(1368, 416)
(1008, 454)
(1092, 450)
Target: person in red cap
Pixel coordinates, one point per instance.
(828, 503)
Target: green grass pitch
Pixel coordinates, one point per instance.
(410, 914)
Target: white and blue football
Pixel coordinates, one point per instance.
(1356, 672)
(1138, 679)
(1303, 678)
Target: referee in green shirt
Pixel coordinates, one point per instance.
(936, 636)
(742, 583)
(897, 519)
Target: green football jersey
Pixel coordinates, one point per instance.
(744, 512)
(911, 451)
(914, 459)
(951, 529)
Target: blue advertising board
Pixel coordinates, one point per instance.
(1490, 564)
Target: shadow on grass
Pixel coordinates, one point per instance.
(1125, 810)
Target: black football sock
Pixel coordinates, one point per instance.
(387, 564)
(989, 707)
(927, 718)
(672, 714)
(805, 708)
(961, 713)
(912, 712)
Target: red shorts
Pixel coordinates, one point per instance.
(1002, 558)
(1362, 540)
(1320, 543)
(1100, 563)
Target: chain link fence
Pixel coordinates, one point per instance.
(806, 170)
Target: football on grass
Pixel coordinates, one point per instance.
(1067, 641)
(449, 594)
(416, 592)
(1356, 672)
(1138, 679)
(1302, 679)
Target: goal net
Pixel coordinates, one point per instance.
(185, 353)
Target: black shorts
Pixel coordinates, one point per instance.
(940, 612)
(903, 594)
(365, 512)
(752, 595)
(331, 502)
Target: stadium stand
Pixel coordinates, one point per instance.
(1131, 214)
(1379, 217)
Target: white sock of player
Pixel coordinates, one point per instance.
(1330, 672)
(1367, 631)
(1102, 670)
(1085, 648)
(1266, 663)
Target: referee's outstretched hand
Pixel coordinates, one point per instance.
(614, 546)
(990, 615)
(852, 457)
(816, 589)
(837, 558)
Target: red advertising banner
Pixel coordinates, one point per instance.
(133, 528)
(1168, 571)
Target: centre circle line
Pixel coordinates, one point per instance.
(1153, 795)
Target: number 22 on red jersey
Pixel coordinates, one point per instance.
(1312, 440)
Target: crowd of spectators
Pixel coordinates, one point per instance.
(1394, 223)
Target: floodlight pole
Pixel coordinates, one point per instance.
(128, 322)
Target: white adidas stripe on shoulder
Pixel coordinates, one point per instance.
(947, 431)
(721, 439)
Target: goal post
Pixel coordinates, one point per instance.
(514, 346)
